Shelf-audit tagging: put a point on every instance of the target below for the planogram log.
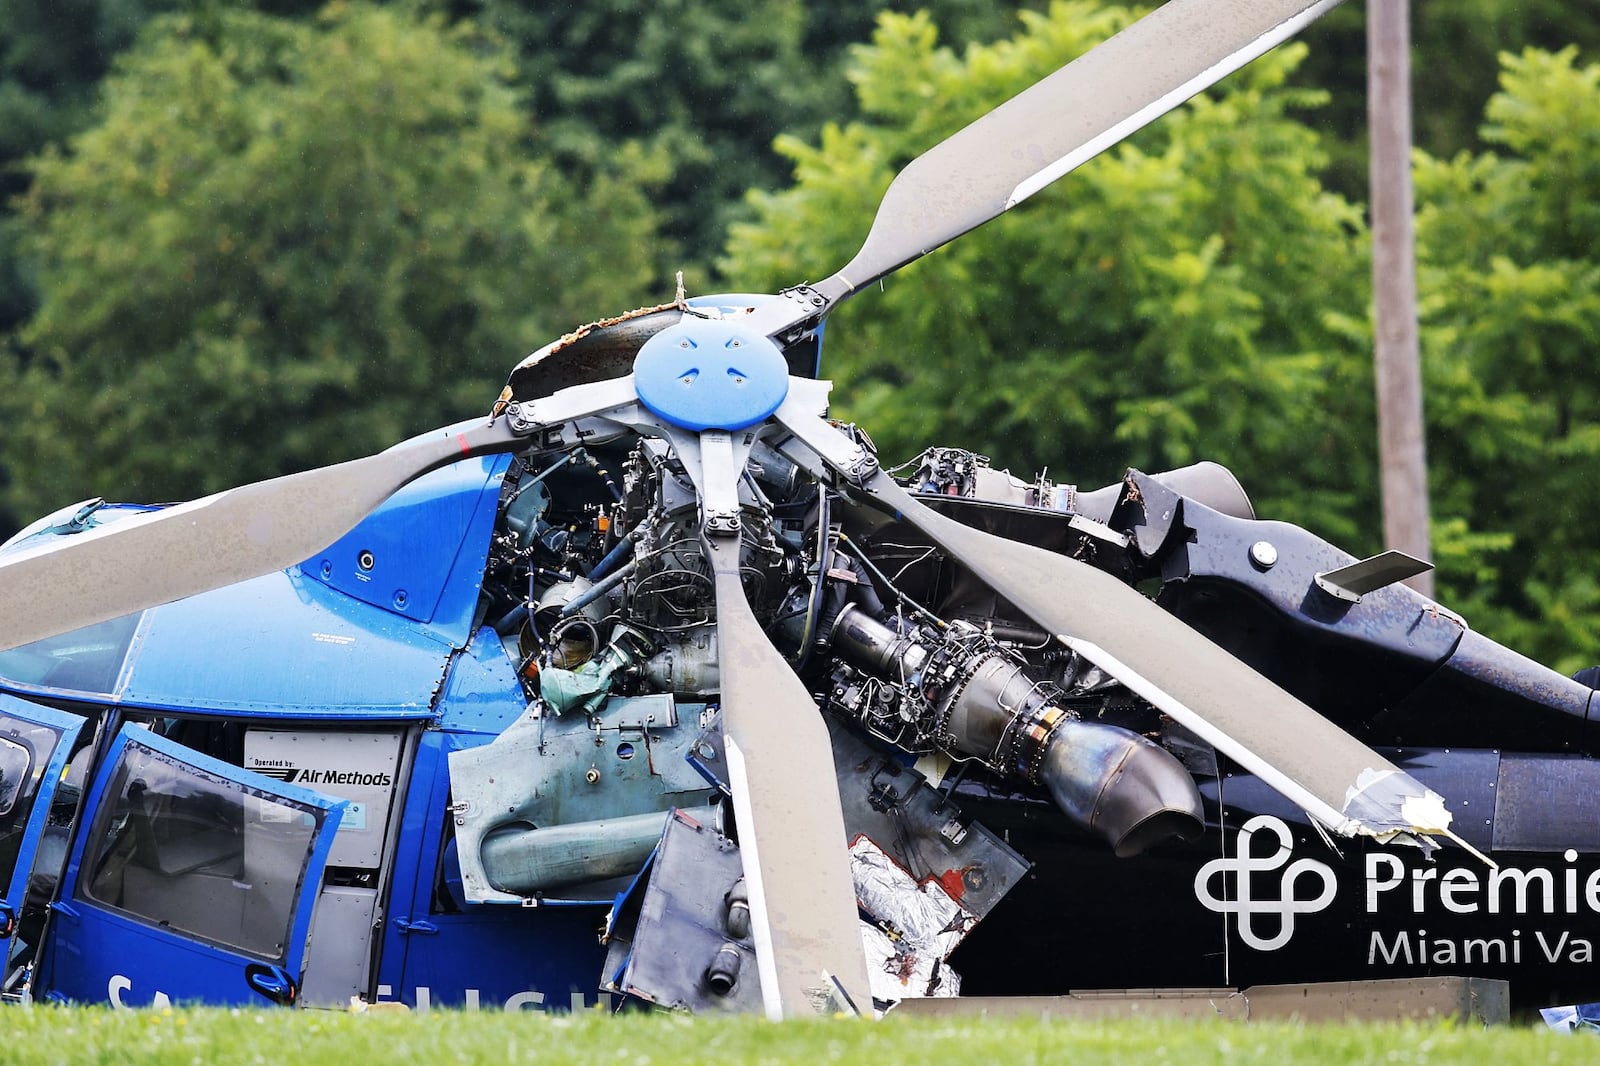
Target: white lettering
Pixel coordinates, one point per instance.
(1397, 873)
(1520, 879)
(525, 999)
(1457, 882)
(120, 984)
(1484, 946)
(472, 999)
(1419, 879)
(1551, 954)
(1402, 944)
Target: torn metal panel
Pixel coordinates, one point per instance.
(566, 777)
(919, 828)
(915, 927)
(924, 873)
(679, 937)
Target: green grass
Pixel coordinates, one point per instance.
(309, 1038)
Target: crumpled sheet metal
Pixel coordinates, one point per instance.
(1391, 806)
(1385, 801)
(927, 924)
(1572, 1018)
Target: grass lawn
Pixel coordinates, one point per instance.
(49, 1035)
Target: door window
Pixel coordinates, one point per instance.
(27, 748)
(200, 854)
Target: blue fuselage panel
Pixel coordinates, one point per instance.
(282, 645)
(365, 629)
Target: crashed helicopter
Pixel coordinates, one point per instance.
(657, 687)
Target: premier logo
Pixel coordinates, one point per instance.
(1269, 893)
(1467, 890)
(1283, 902)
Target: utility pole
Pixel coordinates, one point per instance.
(1403, 472)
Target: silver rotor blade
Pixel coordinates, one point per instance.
(74, 580)
(1054, 126)
(1341, 782)
(786, 803)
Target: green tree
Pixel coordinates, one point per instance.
(1453, 46)
(289, 242)
(1195, 293)
(1511, 313)
(53, 54)
(690, 94)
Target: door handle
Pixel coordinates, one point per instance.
(273, 982)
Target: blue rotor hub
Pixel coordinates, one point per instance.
(710, 374)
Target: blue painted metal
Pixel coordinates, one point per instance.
(482, 694)
(46, 770)
(97, 955)
(280, 646)
(340, 640)
(489, 957)
(422, 554)
(733, 303)
(710, 374)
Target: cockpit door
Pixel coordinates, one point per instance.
(194, 882)
(34, 744)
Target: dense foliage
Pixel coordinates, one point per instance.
(241, 239)
(1188, 295)
(288, 242)
(1511, 315)
(1199, 292)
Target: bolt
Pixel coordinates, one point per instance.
(1263, 554)
(592, 776)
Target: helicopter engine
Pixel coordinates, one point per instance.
(621, 606)
(956, 689)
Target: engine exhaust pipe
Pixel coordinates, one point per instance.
(1108, 780)
(1120, 786)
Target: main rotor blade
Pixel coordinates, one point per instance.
(1338, 780)
(786, 803)
(1341, 782)
(1052, 127)
(66, 582)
